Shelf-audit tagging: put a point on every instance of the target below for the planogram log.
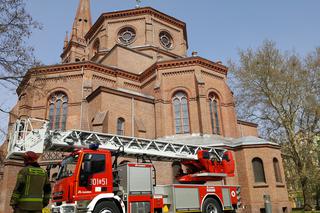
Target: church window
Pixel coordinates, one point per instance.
(277, 172)
(58, 109)
(166, 39)
(120, 126)
(77, 59)
(96, 46)
(126, 35)
(214, 113)
(181, 113)
(258, 171)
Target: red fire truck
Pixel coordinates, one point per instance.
(90, 178)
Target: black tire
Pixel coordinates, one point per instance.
(211, 205)
(106, 207)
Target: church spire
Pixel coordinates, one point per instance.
(82, 22)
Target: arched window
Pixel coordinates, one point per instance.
(277, 172)
(58, 109)
(258, 170)
(214, 113)
(96, 47)
(181, 113)
(120, 126)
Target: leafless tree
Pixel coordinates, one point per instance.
(16, 57)
(281, 92)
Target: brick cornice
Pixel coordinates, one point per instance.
(135, 12)
(184, 62)
(191, 61)
(54, 69)
(116, 72)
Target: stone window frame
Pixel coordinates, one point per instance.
(120, 126)
(215, 113)
(169, 35)
(181, 109)
(277, 170)
(58, 100)
(258, 171)
(122, 28)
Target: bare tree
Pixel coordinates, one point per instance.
(16, 57)
(281, 92)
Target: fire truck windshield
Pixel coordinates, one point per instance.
(68, 166)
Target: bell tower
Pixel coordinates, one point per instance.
(74, 50)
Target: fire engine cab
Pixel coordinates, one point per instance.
(91, 178)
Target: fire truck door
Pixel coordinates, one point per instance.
(93, 176)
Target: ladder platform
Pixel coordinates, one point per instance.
(34, 135)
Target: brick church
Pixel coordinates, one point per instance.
(129, 74)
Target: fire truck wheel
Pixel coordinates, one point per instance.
(211, 205)
(106, 207)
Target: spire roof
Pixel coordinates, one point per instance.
(82, 22)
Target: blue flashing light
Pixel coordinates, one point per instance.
(94, 146)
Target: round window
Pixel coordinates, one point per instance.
(126, 35)
(166, 40)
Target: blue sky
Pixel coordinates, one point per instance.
(216, 29)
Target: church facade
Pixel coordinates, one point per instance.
(129, 74)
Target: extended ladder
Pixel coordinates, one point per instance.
(34, 135)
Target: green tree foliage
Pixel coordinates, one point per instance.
(281, 92)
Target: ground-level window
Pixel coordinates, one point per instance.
(277, 171)
(258, 170)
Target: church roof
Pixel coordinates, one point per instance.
(220, 141)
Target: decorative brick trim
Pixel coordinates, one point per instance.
(179, 72)
(97, 77)
(192, 61)
(165, 25)
(63, 68)
(60, 77)
(133, 86)
(126, 20)
(211, 75)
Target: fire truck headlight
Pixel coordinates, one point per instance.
(68, 209)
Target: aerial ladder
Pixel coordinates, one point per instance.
(86, 182)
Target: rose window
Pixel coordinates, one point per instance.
(126, 35)
(166, 40)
